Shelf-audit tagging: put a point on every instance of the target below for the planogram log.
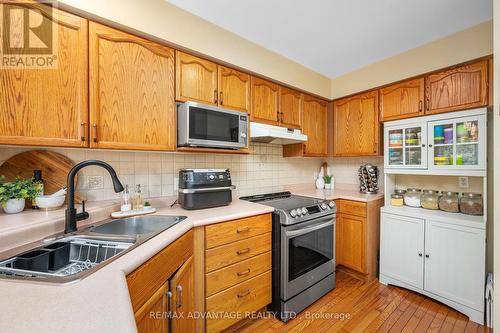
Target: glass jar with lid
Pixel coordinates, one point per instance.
(430, 199)
(412, 197)
(471, 204)
(399, 191)
(449, 202)
(396, 200)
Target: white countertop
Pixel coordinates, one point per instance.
(341, 191)
(100, 302)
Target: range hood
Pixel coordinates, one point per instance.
(275, 134)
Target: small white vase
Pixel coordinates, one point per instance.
(14, 206)
(328, 186)
(320, 183)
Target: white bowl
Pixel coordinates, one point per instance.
(48, 202)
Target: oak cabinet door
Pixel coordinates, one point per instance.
(49, 107)
(132, 102)
(234, 89)
(157, 305)
(356, 128)
(351, 245)
(458, 88)
(291, 106)
(183, 307)
(265, 101)
(314, 123)
(402, 100)
(196, 79)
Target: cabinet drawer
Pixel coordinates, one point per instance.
(351, 207)
(235, 252)
(228, 232)
(250, 295)
(229, 276)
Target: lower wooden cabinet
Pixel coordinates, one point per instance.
(443, 260)
(237, 270)
(162, 289)
(357, 237)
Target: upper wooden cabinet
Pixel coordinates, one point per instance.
(356, 128)
(49, 107)
(265, 101)
(203, 81)
(458, 88)
(132, 102)
(402, 100)
(234, 89)
(291, 106)
(196, 79)
(314, 125)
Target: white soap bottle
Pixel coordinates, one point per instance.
(126, 204)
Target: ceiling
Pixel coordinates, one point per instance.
(334, 37)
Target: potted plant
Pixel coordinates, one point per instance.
(328, 182)
(14, 194)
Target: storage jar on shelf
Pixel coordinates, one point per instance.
(430, 199)
(449, 202)
(412, 197)
(396, 200)
(471, 204)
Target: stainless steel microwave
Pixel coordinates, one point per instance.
(200, 125)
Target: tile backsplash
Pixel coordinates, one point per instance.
(264, 170)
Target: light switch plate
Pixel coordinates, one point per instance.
(176, 184)
(95, 182)
(463, 182)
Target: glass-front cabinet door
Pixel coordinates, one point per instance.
(405, 146)
(457, 143)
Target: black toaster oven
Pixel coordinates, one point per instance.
(204, 188)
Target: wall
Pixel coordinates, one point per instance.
(182, 28)
(265, 170)
(462, 46)
(495, 181)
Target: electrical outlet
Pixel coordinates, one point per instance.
(463, 182)
(95, 182)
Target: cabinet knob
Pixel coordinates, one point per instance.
(420, 254)
(243, 251)
(82, 125)
(423, 145)
(179, 297)
(427, 103)
(419, 106)
(215, 96)
(94, 126)
(427, 256)
(221, 99)
(430, 145)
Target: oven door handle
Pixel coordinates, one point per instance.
(294, 233)
(206, 189)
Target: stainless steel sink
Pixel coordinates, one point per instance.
(90, 248)
(138, 225)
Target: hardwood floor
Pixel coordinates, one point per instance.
(355, 306)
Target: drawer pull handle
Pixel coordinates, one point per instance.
(244, 272)
(243, 251)
(241, 295)
(243, 230)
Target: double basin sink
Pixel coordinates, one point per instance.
(74, 256)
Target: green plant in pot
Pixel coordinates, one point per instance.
(328, 182)
(13, 194)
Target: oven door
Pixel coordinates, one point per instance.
(308, 254)
(213, 127)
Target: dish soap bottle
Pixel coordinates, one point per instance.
(126, 204)
(38, 183)
(138, 200)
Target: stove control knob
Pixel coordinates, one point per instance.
(299, 212)
(331, 204)
(324, 206)
(293, 213)
(304, 210)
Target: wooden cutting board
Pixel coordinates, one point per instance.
(55, 168)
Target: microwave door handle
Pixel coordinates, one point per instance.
(295, 233)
